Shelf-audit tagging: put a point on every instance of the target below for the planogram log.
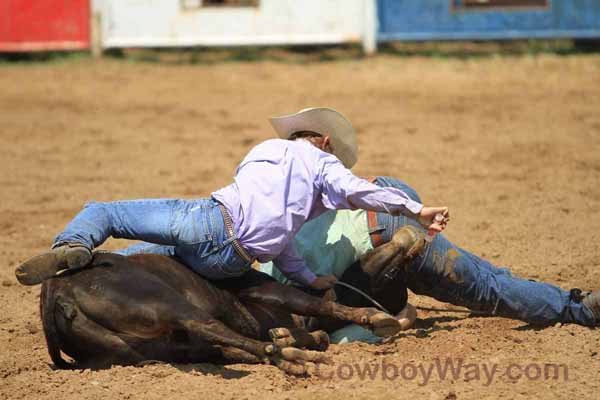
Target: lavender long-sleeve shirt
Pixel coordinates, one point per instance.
(281, 184)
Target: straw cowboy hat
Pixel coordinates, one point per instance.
(324, 121)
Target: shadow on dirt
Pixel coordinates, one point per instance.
(220, 370)
(425, 327)
(211, 369)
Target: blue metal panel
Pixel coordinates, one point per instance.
(446, 19)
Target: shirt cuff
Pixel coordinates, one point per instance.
(305, 276)
(413, 206)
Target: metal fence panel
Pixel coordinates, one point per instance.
(487, 19)
(156, 23)
(27, 25)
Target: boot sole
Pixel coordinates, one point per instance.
(35, 270)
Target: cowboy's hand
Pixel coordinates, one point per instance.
(323, 282)
(427, 218)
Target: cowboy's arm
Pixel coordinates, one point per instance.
(343, 190)
(295, 268)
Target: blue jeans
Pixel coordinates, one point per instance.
(452, 275)
(191, 230)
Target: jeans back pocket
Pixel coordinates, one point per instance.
(193, 226)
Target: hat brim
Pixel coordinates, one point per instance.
(326, 122)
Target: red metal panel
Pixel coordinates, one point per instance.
(29, 25)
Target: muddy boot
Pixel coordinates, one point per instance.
(410, 240)
(406, 243)
(45, 265)
(592, 301)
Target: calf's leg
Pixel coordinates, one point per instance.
(215, 332)
(301, 303)
(94, 346)
(300, 337)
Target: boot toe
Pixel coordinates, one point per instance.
(592, 302)
(38, 268)
(410, 240)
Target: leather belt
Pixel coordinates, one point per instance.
(230, 233)
(374, 232)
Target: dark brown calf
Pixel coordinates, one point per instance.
(125, 310)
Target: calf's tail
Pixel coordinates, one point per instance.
(47, 312)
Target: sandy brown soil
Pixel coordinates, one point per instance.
(512, 145)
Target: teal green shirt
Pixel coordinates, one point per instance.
(329, 244)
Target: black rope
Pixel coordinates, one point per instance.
(372, 300)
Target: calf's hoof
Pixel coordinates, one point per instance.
(383, 324)
(299, 362)
(279, 333)
(284, 337)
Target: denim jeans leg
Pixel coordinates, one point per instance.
(147, 248)
(147, 220)
(453, 275)
(211, 266)
(192, 230)
(203, 244)
(388, 181)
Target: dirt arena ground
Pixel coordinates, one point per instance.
(511, 144)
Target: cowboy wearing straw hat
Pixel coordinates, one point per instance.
(280, 184)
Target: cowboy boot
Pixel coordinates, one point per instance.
(43, 266)
(592, 301)
(410, 240)
(406, 243)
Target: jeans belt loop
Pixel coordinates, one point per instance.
(230, 234)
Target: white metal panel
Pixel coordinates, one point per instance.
(157, 23)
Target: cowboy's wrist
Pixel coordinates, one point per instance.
(413, 207)
(306, 277)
